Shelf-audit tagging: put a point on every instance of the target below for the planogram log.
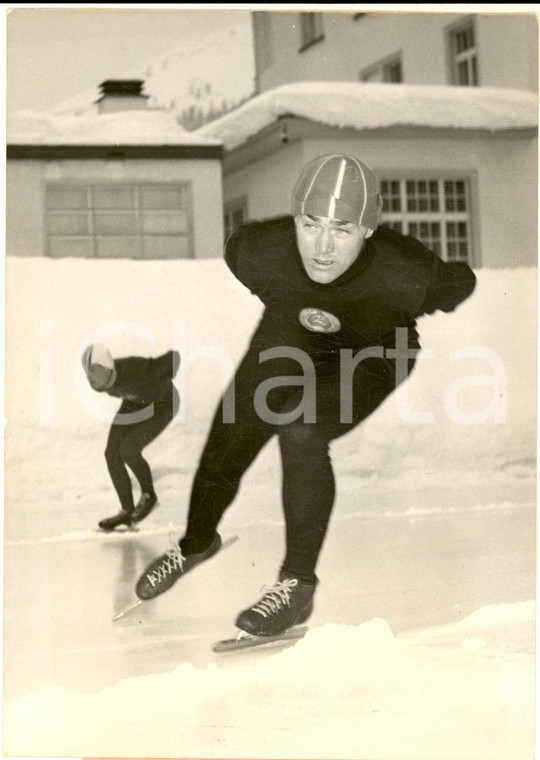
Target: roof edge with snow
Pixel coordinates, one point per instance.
(363, 106)
(145, 132)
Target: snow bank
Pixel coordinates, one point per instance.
(470, 401)
(343, 691)
(151, 127)
(371, 106)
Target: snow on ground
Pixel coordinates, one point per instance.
(341, 692)
(370, 106)
(422, 640)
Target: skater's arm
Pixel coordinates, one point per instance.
(168, 364)
(451, 283)
(244, 257)
(146, 378)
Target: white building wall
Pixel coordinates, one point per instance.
(506, 43)
(25, 194)
(267, 183)
(503, 176)
(508, 51)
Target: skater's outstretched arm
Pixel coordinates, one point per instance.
(452, 282)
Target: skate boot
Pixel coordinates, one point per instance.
(165, 570)
(145, 505)
(288, 603)
(122, 518)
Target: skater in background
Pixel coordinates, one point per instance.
(334, 283)
(149, 403)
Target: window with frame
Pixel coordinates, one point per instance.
(436, 211)
(311, 29)
(389, 70)
(464, 56)
(144, 221)
(235, 215)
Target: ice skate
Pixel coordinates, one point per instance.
(122, 518)
(145, 505)
(164, 571)
(288, 603)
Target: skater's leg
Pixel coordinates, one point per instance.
(308, 492)
(116, 467)
(143, 433)
(229, 451)
(308, 478)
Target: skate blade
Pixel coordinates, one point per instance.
(120, 529)
(246, 641)
(128, 609)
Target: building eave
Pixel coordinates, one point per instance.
(113, 152)
(291, 129)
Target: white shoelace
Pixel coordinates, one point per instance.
(173, 560)
(276, 597)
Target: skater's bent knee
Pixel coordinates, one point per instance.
(112, 453)
(130, 453)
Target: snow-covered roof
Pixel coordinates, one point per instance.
(363, 105)
(145, 127)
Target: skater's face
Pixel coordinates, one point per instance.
(99, 377)
(328, 247)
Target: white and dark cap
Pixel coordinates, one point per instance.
(97, 354)
(341, 187)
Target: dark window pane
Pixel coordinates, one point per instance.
(162, 198)
(68, 224)
(164, 222)
(63, 247)
(115, 224)
(66, 197)
(463, 74)
(113, 197)
(238, 217)
(166, 247)
(118, 247)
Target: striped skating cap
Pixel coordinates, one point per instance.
(338, 187)
(99, 354)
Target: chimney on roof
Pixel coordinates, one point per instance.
(121, 95)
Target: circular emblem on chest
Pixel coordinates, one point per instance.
(317, 320)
